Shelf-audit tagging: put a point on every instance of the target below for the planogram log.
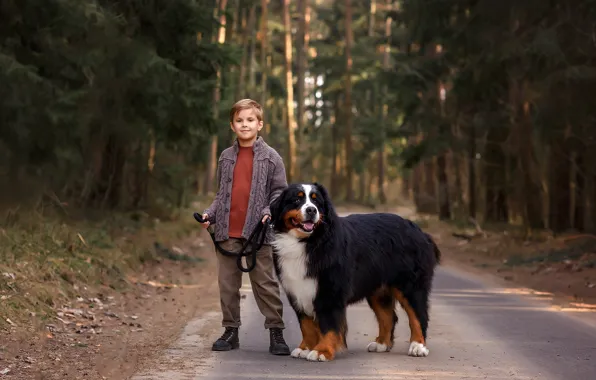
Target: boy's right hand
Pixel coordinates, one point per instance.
(206, 219)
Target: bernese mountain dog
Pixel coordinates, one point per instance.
(326, 262)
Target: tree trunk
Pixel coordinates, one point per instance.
(139, 173)
(429, 203)
(529, 193)
(472, 170)
(559, 216)
(290, 117)
(495, 176)
(249, 26)
(458, 189)
(361, 187)
(109, 185)
(232, 31)
(443, 188)
(348, 101)
(371, 16)
(578, 187)
(233, 34)
(264, 64)
(334, 144)
(151, 163)
(385, 108)
(417, 187)
(95, 148)
(370, 182)
(212, 166)
(252, 72)
(302, 60)
(532, 193)
(589, 190)
(442, 180)
(405, 186)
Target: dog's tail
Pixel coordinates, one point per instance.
(435, 248)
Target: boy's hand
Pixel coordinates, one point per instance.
(265, 218)
(206, 218)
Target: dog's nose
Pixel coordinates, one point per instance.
(310, 210)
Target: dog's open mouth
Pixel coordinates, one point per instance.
(306, 226)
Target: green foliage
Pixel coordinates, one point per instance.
(486, 48)
(81, 80)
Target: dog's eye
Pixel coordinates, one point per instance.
(297, 201)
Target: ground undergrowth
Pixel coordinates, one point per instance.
(90, 293)
(48, 259)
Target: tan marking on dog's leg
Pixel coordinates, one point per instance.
(327, 347)
(415, 329)
(384, 315)
(311, 335)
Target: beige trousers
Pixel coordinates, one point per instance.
(264, 285)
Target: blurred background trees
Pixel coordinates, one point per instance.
(468, 108)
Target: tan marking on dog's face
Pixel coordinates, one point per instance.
(293, 229)
(296, 215)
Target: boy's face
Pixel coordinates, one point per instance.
(246, 125)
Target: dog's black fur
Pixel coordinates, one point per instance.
(380, 257)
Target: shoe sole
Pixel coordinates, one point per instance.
(280, 353)
(220, 349)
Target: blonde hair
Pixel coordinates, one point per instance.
(245, 104)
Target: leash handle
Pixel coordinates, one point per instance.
(198, 217)
(260, 228)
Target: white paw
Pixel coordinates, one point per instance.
(417, 349)
(377, 347)
(304, 354)
(299, 353)
(314, 356)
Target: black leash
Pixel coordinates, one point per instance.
(261, 228)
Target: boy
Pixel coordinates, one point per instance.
(250, 175)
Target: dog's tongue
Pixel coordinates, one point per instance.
(308, 226)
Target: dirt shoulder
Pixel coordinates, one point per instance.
(107, 333)
(562, 267)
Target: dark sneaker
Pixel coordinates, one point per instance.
(277, 345)
(228, 341)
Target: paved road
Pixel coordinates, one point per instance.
(476, 332)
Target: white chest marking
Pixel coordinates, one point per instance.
(292, 262)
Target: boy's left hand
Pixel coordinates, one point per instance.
(265, 218)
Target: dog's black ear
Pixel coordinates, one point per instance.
(323, 191)
(327, 204)
(275, 208)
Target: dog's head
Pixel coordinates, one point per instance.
(300, 209)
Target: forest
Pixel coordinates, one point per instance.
(469, 108)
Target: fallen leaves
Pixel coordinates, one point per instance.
(87, 319)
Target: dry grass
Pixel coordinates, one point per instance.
(47, 260)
